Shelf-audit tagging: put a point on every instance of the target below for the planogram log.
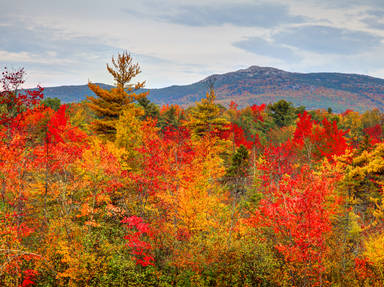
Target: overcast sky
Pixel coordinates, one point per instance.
(180, 42)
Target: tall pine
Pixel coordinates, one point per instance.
(109, 104)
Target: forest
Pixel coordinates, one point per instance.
(117, 191)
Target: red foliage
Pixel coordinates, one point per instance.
(233, 106)
(11, 81)
(348, 111)
(63, 143)
(303, 128)
(363, 268)
(278, 160)
(56, 125)
(257, 110)
(237, 135)
(297, 211)
(375, 134)
(327, 139)
(161, 156)
(16, 101)
(139, 248)
(29, 276)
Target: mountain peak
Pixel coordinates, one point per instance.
(250, 72)
(259, 69)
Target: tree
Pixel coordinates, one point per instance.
(109, 104)
(282, 113)
(151, 110)
(240, 164)
(296, 217)
(13, 101)
(171, 116)
(206, 116)
(129, 134)
(53, 103)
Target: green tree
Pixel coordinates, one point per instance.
(151, 110)
(240, 163)
(53, 103)
(283, 113)
(109, 104)
(171, 116)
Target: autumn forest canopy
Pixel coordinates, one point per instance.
(117, 191)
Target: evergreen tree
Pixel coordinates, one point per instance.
(53, 103)
(151, 110)
(206, 116)
(171, 116)
(283, 113)
(109, 104)
(237, 172)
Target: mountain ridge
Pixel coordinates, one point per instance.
(256, 85)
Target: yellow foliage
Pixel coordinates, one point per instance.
(206, 117)
(352, 122)
(374, 250)
(355, 228)
(129, 134)
(199, 217)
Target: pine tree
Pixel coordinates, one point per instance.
(171, 116)
(109, 104)
(237, 172)
(283, 113)
(151, 110)
(206, 116)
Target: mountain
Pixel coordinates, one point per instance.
(256, 85)
(70, 94)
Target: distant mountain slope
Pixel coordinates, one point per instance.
(69, 94)
(257, 85)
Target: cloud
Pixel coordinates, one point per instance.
(44, 41)
(328, 40)
(374, 19)
(265, 15)
(182, 41)
(55, 53)
(349, 3)
(262, 47)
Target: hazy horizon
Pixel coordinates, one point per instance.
(185, 84)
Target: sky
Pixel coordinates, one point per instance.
(180, 42)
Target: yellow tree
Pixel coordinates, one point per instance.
(129, 134)
(374, 243)
(109, 104)
(206, 116)
(198, 217)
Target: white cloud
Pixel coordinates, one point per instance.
(179, 42)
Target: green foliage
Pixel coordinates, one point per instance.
(238, 170)
(53, 103)
(151, 110)
(282, 112)
(173, 116)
